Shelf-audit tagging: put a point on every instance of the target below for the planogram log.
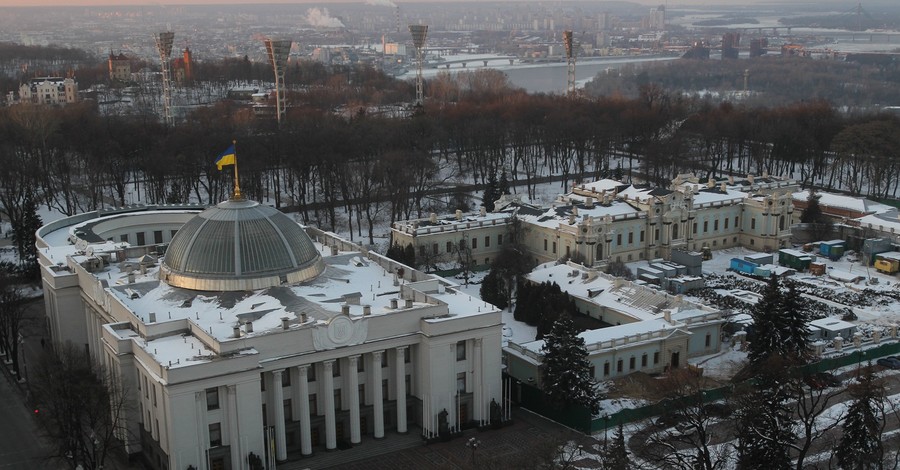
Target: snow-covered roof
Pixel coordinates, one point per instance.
(843, 201)
(831, 324)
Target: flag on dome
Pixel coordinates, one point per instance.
(226, 158)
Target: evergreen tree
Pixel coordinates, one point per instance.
(813, 212)
(779, 325)
(491, 292)
(566, 372)
(491, 193)
(765, 422)
(861, 447)
(503, 184)
(23, 238)
(615, 453)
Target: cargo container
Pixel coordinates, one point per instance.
(794, 259)
(833, 249)
(887, 262)
(743, 266)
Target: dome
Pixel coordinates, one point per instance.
(240, 245)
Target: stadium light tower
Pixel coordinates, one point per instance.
(278, 50)
(419, 31)
(164, 42)
(570, 61)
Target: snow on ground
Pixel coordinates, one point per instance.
(722, 365)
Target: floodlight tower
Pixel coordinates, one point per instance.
(278, 51)
(164, 42)
(419, 31)
(570, 61)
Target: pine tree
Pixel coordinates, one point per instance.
(491, 194)
(765, 422)
(503, 184)
(860, 447)
(779, 324)
(615, 454)
(566, 372)
(23, 238)
(813, 212)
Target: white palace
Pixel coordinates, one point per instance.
(232, 330)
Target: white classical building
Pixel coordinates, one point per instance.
(608, 220)
(49, 90)
(233, 331)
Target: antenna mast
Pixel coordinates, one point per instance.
(278, 51)
(419, 32)
(570, 61)
(164, 42)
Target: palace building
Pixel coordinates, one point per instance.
(233, 330)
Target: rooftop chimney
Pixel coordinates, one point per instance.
(236, 331)
(433, 218)
(409, 303)
(302, 317)
(589, 202)
(284, 323)
(248, 327)
(458, 214)
(345, 309)
(394, 304)
(483, 211)
(367, 310)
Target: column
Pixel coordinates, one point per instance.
(328, 391)
(278, 408)
(377, 398)
(305, 433)
(202, 427)
(477, 385)
(353, 392)
(233, 428)
(400, 374)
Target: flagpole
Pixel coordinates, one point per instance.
(237, 184)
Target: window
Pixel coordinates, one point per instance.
(286, 378)
(172, 233)
(462, 245)
(262, 381)
(695, 228)
(384, 388)
(605, 369)
(781, 223)
(123, 237)
(157, 236)
(631, 363)
(545, 244)
(753, 223)
(311, 373)
(146, 388)
(288, 411)
(554, 248)
(736, 225)
(619, 365)
(461, 382)
(421, 250)
(593, 371)
(708, 339)
(154, 394)
(630, 238)
(474, 243)
(644, 360)
(313, 405)
(487, 241)
(619, 239)
(449, 247)
(408, 382)
(406, 355)
(705, 226)
(656, 235)
(362, 394)
(360, 364)
(265, 417)
(726, 223)
(434, 248)
(500, 239)
(642, 236)
(656, 357)
(336, 368)
(461, 351)
(337, 399)
(215, 434)
(212, 398)
(140, 238)
(716, 224)
(383, 359)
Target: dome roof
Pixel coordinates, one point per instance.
(240, 245)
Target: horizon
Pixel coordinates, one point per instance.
(145, 3)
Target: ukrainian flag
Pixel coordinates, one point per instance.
(226, 158)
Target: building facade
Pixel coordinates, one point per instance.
(49, 90)
(608, 220)
(234, 331)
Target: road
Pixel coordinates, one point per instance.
(20, 444)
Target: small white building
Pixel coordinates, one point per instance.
(829, 328)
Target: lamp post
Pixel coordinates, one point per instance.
(473, 444)
(605, 428)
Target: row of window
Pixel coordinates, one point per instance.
(141, 237)
(462, 245)
(335, 370)
(631, 364)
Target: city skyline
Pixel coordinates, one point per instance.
(93, 3)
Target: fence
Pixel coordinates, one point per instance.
(579, 418)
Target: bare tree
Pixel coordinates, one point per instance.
(12, 313)
(81, 408)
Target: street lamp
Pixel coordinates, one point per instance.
(473, 444)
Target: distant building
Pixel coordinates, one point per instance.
(730, 44)
(609, 220)
(49, 90)
(182, 68)
(657, 19)
(119, 67)
(758, 47)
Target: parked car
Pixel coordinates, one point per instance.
(821, 380)
(891, 362)
(669, 419)
(717, 410)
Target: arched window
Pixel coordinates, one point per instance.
(674, 231)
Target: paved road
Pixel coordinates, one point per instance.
(20, 445)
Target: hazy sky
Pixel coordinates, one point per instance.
(18, 3)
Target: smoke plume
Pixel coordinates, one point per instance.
(321, 19)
